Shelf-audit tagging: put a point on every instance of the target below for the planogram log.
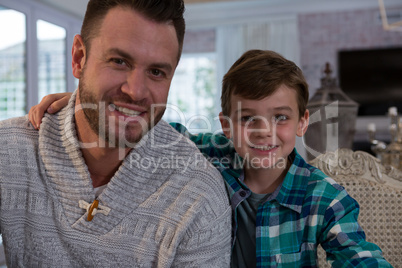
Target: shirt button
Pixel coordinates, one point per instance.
(243, 193)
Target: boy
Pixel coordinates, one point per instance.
(283, 207)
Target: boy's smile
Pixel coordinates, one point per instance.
(264, 131)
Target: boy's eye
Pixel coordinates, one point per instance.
(245, 119)
(280, 117)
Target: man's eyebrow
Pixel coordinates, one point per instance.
(119, 52)
(159, 65)
(165, 66)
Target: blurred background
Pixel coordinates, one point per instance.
(351, 35)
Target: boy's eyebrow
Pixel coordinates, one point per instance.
(242, 110)
(281, 108)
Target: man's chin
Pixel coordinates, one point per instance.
(128, 137)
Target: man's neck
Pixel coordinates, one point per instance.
(102, 164)
(102, 161)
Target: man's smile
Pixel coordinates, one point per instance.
(125, 111)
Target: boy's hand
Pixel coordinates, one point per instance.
(50, 103)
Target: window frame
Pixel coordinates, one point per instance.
(33, 12)
(215, 125)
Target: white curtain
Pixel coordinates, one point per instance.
(230, 46)
(278, 34)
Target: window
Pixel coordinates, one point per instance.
(192, 97)
(52, 58)
(33, 59)
(12, 62)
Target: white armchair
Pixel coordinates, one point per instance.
(378, 189)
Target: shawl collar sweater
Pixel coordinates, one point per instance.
(168, 205)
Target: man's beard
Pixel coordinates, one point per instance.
(105, 127)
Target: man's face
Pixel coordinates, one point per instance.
(126, 75)
(264, 131)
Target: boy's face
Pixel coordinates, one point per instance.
(264, 131)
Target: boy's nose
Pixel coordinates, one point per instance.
(136, 85)
(263, 128)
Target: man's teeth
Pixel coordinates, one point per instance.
(125, 111)
(264, 147)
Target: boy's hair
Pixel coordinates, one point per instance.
(257, 74)
(161, 11)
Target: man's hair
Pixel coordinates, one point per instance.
(161, 11)
(258, 74)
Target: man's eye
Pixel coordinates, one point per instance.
(118, 61)
(157, 72)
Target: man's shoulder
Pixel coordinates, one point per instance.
(164, 145)
(171, 141)
(17, 126)
(18, 138)
(15, 121)
(184, 156)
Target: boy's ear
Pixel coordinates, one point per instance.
(79, 55)
(226, 125)
(303, 124)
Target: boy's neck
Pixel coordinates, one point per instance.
(265, 180)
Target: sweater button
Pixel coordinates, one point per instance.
(92, 210)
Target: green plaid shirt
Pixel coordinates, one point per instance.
(307, 210)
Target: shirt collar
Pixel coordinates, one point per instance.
(289, 194)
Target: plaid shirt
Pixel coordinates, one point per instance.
(306, 210)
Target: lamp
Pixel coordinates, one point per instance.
(332, 118)
(395, 26)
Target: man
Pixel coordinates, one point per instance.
(105, 182)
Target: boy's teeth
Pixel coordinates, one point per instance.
(266, 148)
(125, 111)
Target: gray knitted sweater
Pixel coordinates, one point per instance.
(168, 205)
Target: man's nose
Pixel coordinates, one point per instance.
(136, 85)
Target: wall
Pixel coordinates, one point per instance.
(199, 40)
(323, 34)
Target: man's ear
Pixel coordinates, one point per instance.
(303, 124)
(226, 124)
(79, 54)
